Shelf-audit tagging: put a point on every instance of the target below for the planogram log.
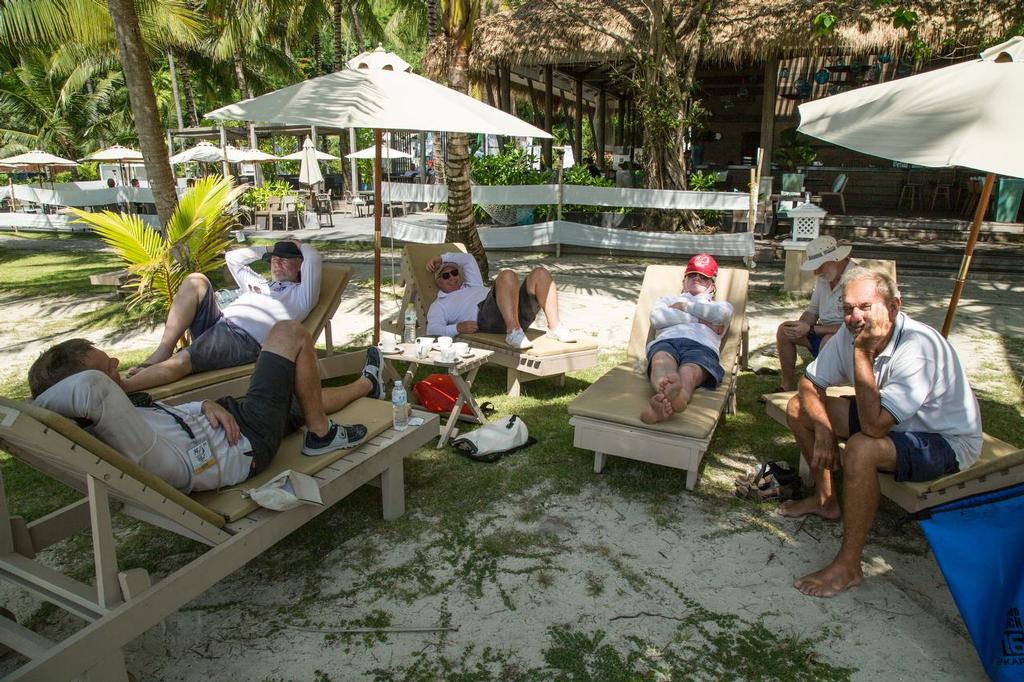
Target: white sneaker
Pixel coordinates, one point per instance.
(517, 339)
(563, 334)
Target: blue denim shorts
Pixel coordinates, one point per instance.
(920, 456)
(687, 351)
(814, 342)
(216, 341)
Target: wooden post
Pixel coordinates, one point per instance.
(561, 196)
(224, 166)
(377, 210)
(549, 113)
(602, 122)
(972, 240)
(771, 80)
(620, 131)
(506, 88)
(578, 142)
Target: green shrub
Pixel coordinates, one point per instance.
(256, 198)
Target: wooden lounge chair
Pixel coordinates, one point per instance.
(1000, 465)
(547, 357)
(606, 416)
(123, 604)
(230, 380)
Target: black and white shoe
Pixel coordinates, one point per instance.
(338, 437)
(372, 371)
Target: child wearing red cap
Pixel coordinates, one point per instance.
(688, 333)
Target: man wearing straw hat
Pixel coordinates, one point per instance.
(823, 317)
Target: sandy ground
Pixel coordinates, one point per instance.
(901, 624)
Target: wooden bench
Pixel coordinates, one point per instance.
(999, 466)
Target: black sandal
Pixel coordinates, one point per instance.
(770, 481)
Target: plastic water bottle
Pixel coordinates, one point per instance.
(399, 407)
(409, 332)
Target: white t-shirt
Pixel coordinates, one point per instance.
(671, 323)
(150, 437)
(827, 302)
(920, 381)
(460, 305)
(264, 303)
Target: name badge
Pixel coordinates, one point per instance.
(201, 457)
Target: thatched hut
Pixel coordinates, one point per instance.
(758, 58)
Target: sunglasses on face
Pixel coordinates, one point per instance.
(448, 273)
(700, 277)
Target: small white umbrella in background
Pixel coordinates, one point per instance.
(39, 161)
(203, 152)
(119, 154)
(309, 171)
(966, 115)
(7, 168)
(386, 153)
(320, 156)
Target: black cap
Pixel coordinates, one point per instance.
(284, 249)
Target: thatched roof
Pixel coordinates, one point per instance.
(602, 31)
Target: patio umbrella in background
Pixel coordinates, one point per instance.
(204, 152)
(386, 153)
(119, 154)
(376, 91)
(9, 168)
(320, 156)
(967, 115)
(309, 171)
(38, 160)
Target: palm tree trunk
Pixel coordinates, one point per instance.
(431, 20)
(461, 225)
(339, 56)
(357, 30)
(243, 87)
(181, 59)
(135, 66)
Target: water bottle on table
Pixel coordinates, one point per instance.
(399, 406)
(409, 332)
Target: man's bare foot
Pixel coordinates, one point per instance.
(157, 356)
(796, 509)
(667, 383)
(831, 580)
(658, 409)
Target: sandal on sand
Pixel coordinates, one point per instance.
(770, 481)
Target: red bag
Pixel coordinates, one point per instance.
(438, 393)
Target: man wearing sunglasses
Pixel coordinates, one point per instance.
(688, 333)
(464, 305)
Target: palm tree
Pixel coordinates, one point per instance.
(458, 17)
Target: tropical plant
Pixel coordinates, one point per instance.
(795, 149)
(257, 197)
(513, 166)
(195, 238)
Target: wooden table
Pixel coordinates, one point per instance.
(463, 373)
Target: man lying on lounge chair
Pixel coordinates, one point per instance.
(465, 306)
(688, 333)
(210, 444)
(233, 336)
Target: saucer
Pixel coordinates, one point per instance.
(394, 351)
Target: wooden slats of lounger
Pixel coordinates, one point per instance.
(999, 465)
(333, 279)
(606, 416)
(548, 357)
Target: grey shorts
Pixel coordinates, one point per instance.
(217, 342)
(268, 412)
(489, 318)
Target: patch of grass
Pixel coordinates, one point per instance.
(53, 273)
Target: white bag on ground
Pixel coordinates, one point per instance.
(491, 441)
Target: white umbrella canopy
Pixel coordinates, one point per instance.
(320, 156)
(309, 171)
(966, 115)
(203, 152)
(256, 156)
(385, 154)
(115, 153)
(962, 115)
(38, 159)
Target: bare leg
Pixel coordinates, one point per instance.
(175, 367)
(338, 397)
(291, 340)
(540, 284)
(506, 295)
(787, 358)
(179, 318)
(679, 388)
(824, 502)
(864, 457)
(659, 408)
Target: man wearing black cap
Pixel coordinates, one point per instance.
(232, 336)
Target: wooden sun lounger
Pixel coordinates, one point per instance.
(548, 357)
(234, 380)
(606, 416)
(123, 604)
(1000, 465)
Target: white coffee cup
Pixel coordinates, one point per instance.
(387, 343)
(448, 354)
(423, 345)
(461, 348)
(444, 341)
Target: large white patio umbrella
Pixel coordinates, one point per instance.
(38, 161)
(967, 115)
(119, 154)
(203, 152)
(320, 156)
(376, 91)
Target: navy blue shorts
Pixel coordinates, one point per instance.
(920, 456)
(814, 341)
(216, 341)
(689, 352)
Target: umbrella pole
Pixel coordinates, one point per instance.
(376, 235)
(965, 264)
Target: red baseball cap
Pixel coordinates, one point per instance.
(704, 264)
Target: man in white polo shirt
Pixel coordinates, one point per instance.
(914, 414)
(823, 317)
(464, 305)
